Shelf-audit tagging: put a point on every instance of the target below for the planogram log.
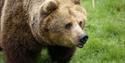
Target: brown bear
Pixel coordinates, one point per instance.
(27, 26)
(1, 6)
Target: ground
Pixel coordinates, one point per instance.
(106, 29)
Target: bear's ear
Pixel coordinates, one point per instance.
(48, 6)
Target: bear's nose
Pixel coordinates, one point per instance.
(83, 40)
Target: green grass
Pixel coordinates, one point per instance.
(106, 29)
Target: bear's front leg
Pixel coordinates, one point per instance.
(20, 54)
(60, 54)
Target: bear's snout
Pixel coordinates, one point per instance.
(83, 39)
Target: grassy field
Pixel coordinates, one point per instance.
(106, 29)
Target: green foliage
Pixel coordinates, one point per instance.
(1, 57)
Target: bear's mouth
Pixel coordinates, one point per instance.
(80, 45)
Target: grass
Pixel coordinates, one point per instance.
(106, 29)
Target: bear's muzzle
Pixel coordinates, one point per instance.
(82, 41)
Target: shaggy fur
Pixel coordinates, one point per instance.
(61, 54)
(1, 7)
(29, 25)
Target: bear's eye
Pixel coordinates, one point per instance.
(80, 23)
(68, 26)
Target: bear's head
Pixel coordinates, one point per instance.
(61, 23)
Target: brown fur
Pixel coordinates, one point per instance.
(1, 7)
(29, 25)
